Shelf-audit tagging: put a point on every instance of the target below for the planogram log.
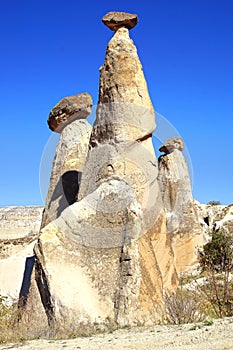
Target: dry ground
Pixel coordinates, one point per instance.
(216, 336)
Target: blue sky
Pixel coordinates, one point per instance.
(53, 48)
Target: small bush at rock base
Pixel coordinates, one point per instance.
(183, 306)
(216, 266)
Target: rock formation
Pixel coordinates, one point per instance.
(214, 217)
(116, 20)
(67, 118)
(19, 222)
(182, 220)
(108, 256)
(68, 110)
(117, 227)
(19, 228)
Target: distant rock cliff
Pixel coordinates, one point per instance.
(17, 222)
(19, 228)
(214, 217)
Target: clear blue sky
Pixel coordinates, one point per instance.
(53, 48)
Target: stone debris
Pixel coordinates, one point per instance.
(179, 337)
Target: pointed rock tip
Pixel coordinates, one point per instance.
(116, 20)
(69, 109)
(171, 144)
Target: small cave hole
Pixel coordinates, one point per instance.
(70, 184)
(206, 220)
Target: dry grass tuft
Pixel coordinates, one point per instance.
(27, 323)
(183, 306)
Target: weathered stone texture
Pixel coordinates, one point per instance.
(182, 220)
(88, 241)
(19, 228)
(69, 109)
(17, 222)
(214, 217)
(115, 253)
(67, 168)
(125, 112)
(116, 20)
(170, 145)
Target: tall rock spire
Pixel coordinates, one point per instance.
(124, 106)
(116, 256)
(182, 219)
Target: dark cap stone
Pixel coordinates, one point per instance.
(171, 144)
(69, 109)
(116, 20)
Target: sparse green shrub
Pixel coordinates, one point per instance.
(216, 265)
(208, 323)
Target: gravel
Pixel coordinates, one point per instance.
(202, 336)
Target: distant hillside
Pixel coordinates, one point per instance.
(19, 222)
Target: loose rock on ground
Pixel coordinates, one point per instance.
(216, 336)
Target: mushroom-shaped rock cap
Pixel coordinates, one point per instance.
(69, 109)
(171, 144)
(116, 20)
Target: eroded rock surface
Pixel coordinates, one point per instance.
(68, 162)
(69, 109)
(215, 217)
(107, 256)
(116, 20)
(181, 215)
(172, 144)
(17, 222)
(19, 229)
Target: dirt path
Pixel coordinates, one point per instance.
(218, 336)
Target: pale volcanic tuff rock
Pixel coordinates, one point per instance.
(78, 256)
(182, 220)
(70, 156)
(17, 222)
(19, 229)
(214, 217)
(125, 112)
(65, 178)
(121, 146)
(108, 256)
(69, 109)
(116, 20)
(171, 144)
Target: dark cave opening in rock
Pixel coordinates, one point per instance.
(70, 184)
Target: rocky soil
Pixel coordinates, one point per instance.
(216, 336)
